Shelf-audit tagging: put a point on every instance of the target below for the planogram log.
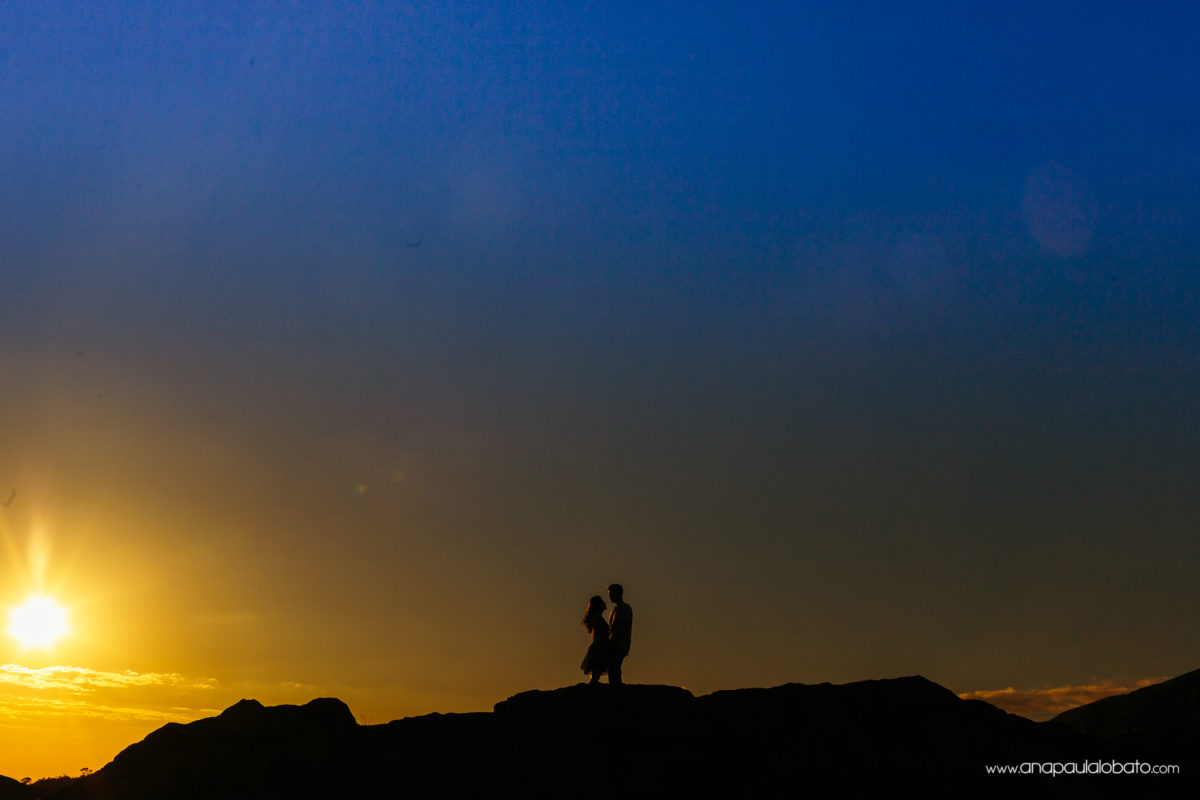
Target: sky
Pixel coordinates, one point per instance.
(348, 348)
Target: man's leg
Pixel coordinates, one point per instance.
(614, 669)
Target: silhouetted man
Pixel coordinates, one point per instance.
(620, 632)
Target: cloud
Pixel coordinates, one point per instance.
(43, 707)
(1042, 704)
(158, 697)
(79, 692)
(80, 680)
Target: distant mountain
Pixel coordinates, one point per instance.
(599, 741)
(1163, 719)
(1168, 707)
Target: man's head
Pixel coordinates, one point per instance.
(615, 592)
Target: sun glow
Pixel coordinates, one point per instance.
(39, 623)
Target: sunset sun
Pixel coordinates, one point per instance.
(40, 622)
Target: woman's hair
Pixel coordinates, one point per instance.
(595, 606)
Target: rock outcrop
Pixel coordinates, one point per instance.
(601, 741)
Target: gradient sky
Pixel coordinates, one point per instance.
(347, 349)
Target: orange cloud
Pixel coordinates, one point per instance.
(157, 697)
(79, 680)
(62, 691)
(1042, 704)
(48, 707)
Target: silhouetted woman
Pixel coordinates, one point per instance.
(594, 663)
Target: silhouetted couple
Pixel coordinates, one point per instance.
(610, 640)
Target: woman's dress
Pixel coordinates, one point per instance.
(595, 662)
